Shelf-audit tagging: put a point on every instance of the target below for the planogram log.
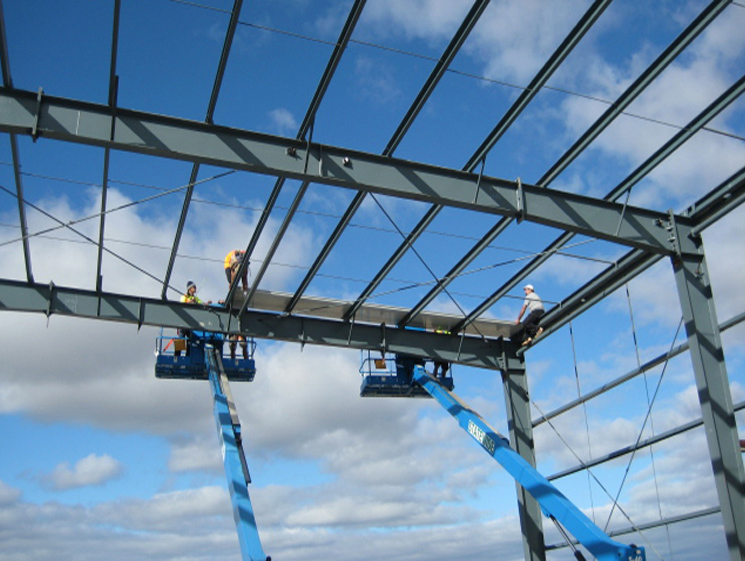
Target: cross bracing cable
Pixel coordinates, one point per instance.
(651, 418)
(595, 478)
(115, 209)
(660, 437)
(615, 505)
(584, 412)
(644, 424)
(724, 326)
(89, 239)
(650, 525)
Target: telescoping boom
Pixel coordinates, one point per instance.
(553, 503)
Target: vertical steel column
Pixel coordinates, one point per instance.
(517, 401)
(702, 328)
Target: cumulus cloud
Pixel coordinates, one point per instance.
(91, 471)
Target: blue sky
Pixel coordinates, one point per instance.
(99, 456)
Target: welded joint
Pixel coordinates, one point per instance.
(37, 116)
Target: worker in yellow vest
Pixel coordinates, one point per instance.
(232, 264)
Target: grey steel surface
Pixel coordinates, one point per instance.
(710, 370)
(168, 137)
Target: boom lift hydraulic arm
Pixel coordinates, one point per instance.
(553, 503)
(236, 469)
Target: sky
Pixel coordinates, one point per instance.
(101, 458)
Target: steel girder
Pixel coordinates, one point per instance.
(87, 123)
(687, 132)
(8, 83)
(49, 299)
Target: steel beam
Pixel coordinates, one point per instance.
(480, 155)
(169, 137)
(722, 199)
(50, 299)
(587, 20)
(113, 94)
(707, 356)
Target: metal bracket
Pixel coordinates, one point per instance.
(478, 181)
(307, 150)
(37, 116)
(51, 297)
(520, 194)
(351, 329)
(140, 314)
(672, 230)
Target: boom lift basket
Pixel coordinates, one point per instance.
(394, 376)
(182, 356)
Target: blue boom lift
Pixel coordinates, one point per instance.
(198, 355)
(552, 502)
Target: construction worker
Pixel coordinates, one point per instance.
(232, 264)
(534, 306)
(188, 297)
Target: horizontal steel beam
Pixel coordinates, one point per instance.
(49, 299)
(86, 123)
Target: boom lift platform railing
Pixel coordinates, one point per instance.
(392, 376)
(552, 502)
(182, 356)
(200, 357)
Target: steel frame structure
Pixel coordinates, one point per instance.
(474, 340)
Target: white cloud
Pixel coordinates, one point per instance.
(197, 454)
(422, 19)
(283, 121)
(514, 38)
(93, 470)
